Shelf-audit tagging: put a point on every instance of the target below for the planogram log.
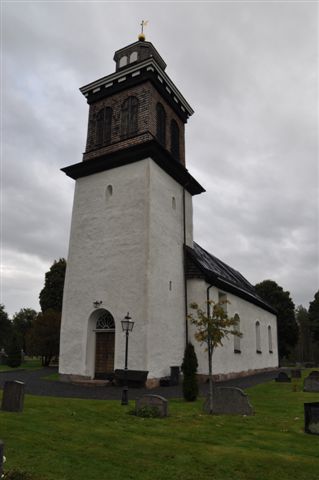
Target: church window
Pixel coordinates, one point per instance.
(170, 285)
(222, 299)
(175, 139)
(258, 343)
(105, 321)
(270, 339)
(129, 111)
(160, 124)
(173, 203)
(108, 192)
(103, 126)
(236, 338)
(123, 61)
(133, 57)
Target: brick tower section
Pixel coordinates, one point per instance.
(148, 98)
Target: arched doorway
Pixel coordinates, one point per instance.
(104, 344)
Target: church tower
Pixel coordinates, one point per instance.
(131, 221)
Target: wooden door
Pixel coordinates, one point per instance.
(104, 354)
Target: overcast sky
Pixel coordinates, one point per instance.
(250, 72)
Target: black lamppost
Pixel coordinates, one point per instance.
(127, 326)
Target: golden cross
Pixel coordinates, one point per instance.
(144, 24)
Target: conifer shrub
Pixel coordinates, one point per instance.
(189, 369)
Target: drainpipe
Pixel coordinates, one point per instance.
(184, 262)
(210, 354)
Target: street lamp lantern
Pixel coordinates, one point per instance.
(127, 326)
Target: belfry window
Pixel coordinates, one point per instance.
(103, 126)
(129, 113)
(160, 124)
(175, 139)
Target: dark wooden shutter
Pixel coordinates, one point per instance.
(99, 127)
(160, 124)
(107, 125)
(129, 117)
(175, 139)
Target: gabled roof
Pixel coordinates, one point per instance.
(201, 264)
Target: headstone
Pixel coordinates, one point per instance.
(295, 373)
(283, 378)
(174, 376)
(229, 401)
(312, 418)
(311, 383)
(1, 457)
(156, 401)
(314, 374)
(13, 396)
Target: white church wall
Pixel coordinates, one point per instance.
(225, 360)
(166, 308)
(107, 261)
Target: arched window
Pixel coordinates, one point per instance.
(105, 321)
(269, 339)
(133, 57)
(175, 139)
(237, 339)
(160, 124)
(103, 128)
(129, 114)
(123, 61)
(258, 344)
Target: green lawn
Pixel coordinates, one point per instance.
(28, 364)
(66, 439)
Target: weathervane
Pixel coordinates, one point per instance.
(141, 36)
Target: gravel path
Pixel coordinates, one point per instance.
(36, 385)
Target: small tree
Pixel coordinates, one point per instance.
(14, 352)
(44, 336)
(212, 327)
(5, 328)
(22, 322)
(189, 369)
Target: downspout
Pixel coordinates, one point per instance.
(184, 261)
(210, 354)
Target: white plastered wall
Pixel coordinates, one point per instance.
(124, 250)
(225, 360)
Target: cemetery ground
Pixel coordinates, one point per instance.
(64, 439)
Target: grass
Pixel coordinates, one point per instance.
(64, 439)
(28, 364)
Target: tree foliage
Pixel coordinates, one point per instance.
(22, 322)
(314, 317)
(5, 328)
(280, 300)
(44, 336)
(304, 345)
(189, 369)
(212, 327)
(51, 295)
(14, 351)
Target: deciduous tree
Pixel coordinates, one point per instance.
(280, 300)
(22, 322)
(5, 327)
(314, 317)
(44, 336)
(52, 293)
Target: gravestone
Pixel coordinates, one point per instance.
(312, 418)
(1, 457)
(153, 401)
(311, 383)
(296, 373)
(13, 396)
(229, 401)
(283, 378)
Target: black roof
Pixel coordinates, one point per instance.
(202, 264)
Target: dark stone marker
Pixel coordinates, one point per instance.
(312, 418)
(229, 401)
(1, 457)
(311, 383)
(314, 374)
(296, 373)
(153, 401)
(174, 376)
(283, 378)
(13, 396)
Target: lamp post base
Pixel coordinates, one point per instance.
(124, 396)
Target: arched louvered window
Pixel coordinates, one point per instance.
(236, 338)
(129, 114)
(175, 139)
(258, 343)
(105, 321)
(160, 124)
(103, 126)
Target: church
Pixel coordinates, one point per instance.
(131, 243)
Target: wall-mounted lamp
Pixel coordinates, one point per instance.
(97, 303)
